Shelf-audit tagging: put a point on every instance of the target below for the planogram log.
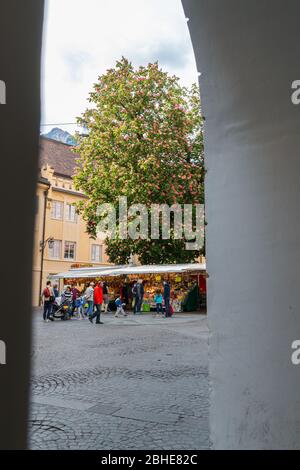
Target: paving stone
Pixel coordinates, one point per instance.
(161, 418)
(104, 409)
(136, 383)
(61, 402)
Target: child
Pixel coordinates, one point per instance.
(158, 299)
(66, 299)
(80, 302)
(119, 306)
(67, 295)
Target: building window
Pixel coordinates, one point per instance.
(96, 254)
(70, 249)
(55, 249)
(71, 215)
(57, 210)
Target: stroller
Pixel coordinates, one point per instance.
(62, 309)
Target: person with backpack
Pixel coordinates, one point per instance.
(48, 299)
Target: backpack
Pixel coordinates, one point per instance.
(134, 290)
(46, 292)
(48, 295)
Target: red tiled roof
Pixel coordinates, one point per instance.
(57, 155)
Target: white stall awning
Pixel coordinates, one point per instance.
(123, 270)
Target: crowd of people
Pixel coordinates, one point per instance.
(94, 299)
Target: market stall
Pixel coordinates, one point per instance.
(187, 282)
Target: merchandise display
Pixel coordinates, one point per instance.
(182, 285)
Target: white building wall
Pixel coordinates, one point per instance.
(248, 54)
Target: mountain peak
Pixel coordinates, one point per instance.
(61, 136)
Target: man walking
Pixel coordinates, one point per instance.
(167, 294)
(134, 298)
(48, 299)
(89, 296)
(98, 301)
(139, 296)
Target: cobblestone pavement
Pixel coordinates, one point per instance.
(133, 383)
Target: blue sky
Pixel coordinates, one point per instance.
(83, 38)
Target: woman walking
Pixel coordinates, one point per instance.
(105, 297)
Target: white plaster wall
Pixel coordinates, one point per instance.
(248, 54)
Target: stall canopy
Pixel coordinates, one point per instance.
(99, 271)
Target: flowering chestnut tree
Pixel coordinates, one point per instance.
(144, 141)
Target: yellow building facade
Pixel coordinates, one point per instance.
(61, 241)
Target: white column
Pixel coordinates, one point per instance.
(248, 54)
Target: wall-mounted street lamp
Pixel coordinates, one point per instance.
(43, 244)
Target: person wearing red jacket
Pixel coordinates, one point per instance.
(98, 301)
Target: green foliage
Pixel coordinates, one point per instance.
(145, 141)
